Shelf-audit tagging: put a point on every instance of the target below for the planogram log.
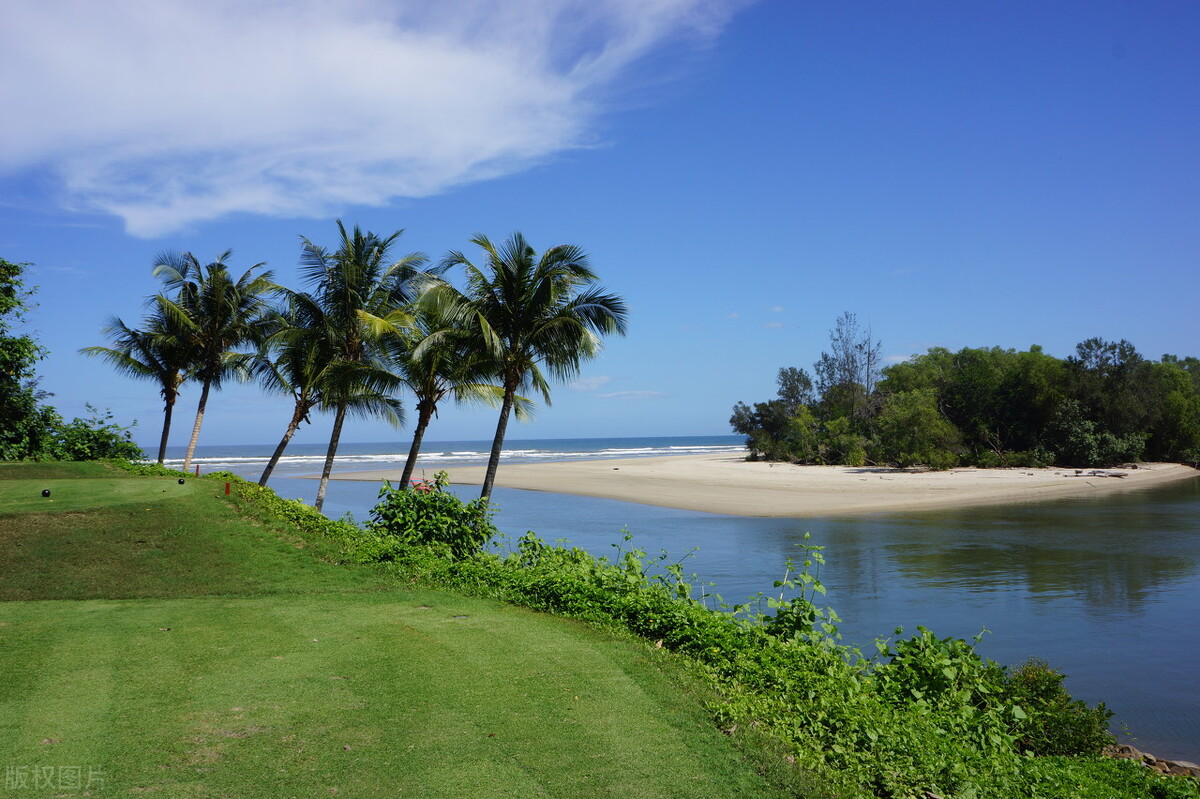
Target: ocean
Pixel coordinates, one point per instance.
(248, 460)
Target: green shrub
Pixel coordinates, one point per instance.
(143, 469)
(42, 435)
(427, 514)
(840, 444)
(1079, 442)
(1054, 723)
(937, 672)
(1191, 457)
(941, 460)
(912, 431)
(1036, 458)
(97, 437)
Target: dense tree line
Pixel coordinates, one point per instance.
(1103, 405)
(366, 328)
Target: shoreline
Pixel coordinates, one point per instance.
(731, 485)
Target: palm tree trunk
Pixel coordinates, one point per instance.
(297, 418)
(168, 410)
(424, 414)
(497, 444)
(333, 444)
(187, 459)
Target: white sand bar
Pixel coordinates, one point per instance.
(731, 485)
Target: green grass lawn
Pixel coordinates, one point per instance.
(155, 640)
(114, 536)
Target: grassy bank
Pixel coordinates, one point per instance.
(159, 638)
(917, 716)
(179, 641)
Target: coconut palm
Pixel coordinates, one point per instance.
(530, 313)
(437, 360)
(298, 360)
(210, 314)
(149, 354)
(361, 296)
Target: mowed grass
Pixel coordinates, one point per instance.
(103, 533)
(255, 669)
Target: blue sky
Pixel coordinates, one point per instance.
(956, 174)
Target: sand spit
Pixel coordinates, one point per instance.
(730, 485)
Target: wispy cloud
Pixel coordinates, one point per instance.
(173, 112)
(632, 395)
(590, 383)
(774, 325)
(67, 271)
(776, 309)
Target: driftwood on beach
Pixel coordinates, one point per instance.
(1177, 768)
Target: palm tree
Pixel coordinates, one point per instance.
(361, 297)
(147, 355)
(209, 315)
(305, 367)
(528, 313)
(437, 360)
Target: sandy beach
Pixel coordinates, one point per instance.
(731, 485)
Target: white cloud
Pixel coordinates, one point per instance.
(632, 395)
(776, 309)
(589, 383)
(61, 271)
(773, 325)
(169, 112)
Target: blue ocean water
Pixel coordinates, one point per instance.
(1106, 589)
(248, 460)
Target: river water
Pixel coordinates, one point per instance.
(1107, 589)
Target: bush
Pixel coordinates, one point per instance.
(912, 430)
(95, 438)
(41, 435)
(143, 469)
(1036, 458)
(1191, 457)
(1079, 443)
(841, 445)
(427, 514)
(937, 672)
(1055, 724)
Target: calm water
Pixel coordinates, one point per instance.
(1105, 589)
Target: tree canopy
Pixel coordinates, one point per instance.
(357, 297)
(527, 313)
(1102, 405)
(367, 326)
